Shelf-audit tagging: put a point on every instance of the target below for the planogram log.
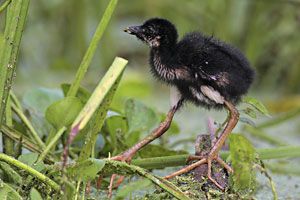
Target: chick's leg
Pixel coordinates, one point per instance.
(159, 131)
(213, 155)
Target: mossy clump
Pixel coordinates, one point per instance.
(193, 188)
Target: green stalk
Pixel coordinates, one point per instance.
(179, 160)
(25, 141)
(86, 61)
(15, 100)
(8, 143)
(52, 143)
(28, 124)
(30, 170)
(4, 5)
(15, 21)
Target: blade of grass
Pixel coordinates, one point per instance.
(96, 123)
(86, 61)
(15, 100)
(28, 124)
(51, 144)
(98, 96)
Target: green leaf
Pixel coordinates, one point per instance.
(63, 112)
(36, 101)
(152, 150)
(140, 117)
(82, 93)
(116, 126)
(8, 193)
(35, 195)
(257, 105)
(86, 170)
(133, 186)
(243, 158)
(30, 160)
(40, 98)
(10, 173)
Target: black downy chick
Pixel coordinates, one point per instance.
(206, 71)
(196, 64)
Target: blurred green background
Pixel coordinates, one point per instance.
(58, 32)
(267, 31)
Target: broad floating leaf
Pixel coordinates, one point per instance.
(87, 170)
(63, 112)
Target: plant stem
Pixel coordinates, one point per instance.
(8, 143)
(4, 5)
(160, 182)
(33, 132)
(86, 61)
(15, 21)
(179, 160)
(15, 100)
(25, 141)
(52, 143)
(31, 171)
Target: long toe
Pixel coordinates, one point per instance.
(210, 162)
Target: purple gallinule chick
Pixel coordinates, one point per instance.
(206, 71)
